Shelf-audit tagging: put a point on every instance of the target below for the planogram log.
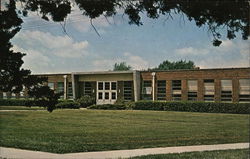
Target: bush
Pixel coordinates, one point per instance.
(86, 101)
(17, 102)
(68, 104)
(208, 107)
(109, 107)
(148, 105)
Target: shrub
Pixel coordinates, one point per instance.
(148, 105)
(86, 101)
(68, 104)
(109, 107)
(208, 107)
(17, 102)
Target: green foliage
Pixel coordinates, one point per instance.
(208, 107)
(45, 97)
(109, 107)
(176, 65)
(68, 104)
(121, 67)
(86, 101)
(17, 102)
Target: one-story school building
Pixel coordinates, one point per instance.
(214, 85)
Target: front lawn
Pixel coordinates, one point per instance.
(21, 108)
(65, 131)
(223, 154)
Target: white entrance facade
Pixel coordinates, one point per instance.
(106, 92)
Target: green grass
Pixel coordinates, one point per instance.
(20, 108)
(224, 154)
(65, 131)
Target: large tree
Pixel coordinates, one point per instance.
(175, 65)
(122, 66)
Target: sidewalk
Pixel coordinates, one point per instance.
(11, 153)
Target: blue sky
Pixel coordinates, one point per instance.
(49, 50)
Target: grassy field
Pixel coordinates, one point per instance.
(66, 131)
(20, 108)
(225, 154)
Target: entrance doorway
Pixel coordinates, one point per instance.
(106, 92)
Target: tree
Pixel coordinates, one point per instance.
(167, 65)
(121, 67)
(44, 96)
(233, 16)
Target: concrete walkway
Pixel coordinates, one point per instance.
(11, 153)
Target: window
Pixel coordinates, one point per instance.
(127, 90)
(87, 88)
(176, 90)
(51, 85)
(60, 87)
(147, 90)
(100, 95)
(192, 90)
(107, 85)
(113, 95)
(209, 90)
(244, 94)
(113, 85)
(161, 90)
(106, 95)
(100, 85)
(70, 90)
(226, 90)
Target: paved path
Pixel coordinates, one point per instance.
(12, 153)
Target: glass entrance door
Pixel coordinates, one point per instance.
(106, 92)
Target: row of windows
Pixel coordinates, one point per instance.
(192, 88)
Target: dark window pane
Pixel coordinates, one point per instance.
(107, 86)
(100, 95)
(113, 95)
(106, 95)
(100, 85)
(113, 86)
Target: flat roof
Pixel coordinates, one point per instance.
(131, 71)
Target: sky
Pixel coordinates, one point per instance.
(50, 50)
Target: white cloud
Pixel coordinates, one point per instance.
(137, 62)
(61, 46)
(191, 51)
(229, 54)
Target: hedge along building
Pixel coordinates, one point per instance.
(215, 85)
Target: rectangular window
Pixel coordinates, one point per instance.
(51, 85)
(192, 90)
(209, 90)
(113, 95)
(107, 85)
(100, 95)
(176, 90)
(244, 93)
(100, 85)
(106, 95)
(226, 90)
(127, 90)
(70, 90)
(60, 87)
(161, 90)
(87, 88)
(113, 85)
(147, 90)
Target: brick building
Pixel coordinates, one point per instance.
(218, 85)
